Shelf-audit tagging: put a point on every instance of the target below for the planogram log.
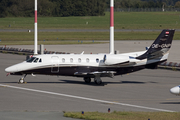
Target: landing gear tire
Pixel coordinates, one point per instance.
(98, 80)
(87, 79)
(21, 80)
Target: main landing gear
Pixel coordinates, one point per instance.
(21, 80)
(87, 79)
(97, 80)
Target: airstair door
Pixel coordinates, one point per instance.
(55, 64)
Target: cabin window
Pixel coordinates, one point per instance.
(63, 60)
(79, 60)
(97, 60)
(31, 59)
(71, 60)
(87, 60)
(40, 60)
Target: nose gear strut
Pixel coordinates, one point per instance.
(21, 80)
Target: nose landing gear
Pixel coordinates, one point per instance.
(21, 80)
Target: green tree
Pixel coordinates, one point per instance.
(177, 5)
(25, 8)
(45, 8)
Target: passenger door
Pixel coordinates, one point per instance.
(55, 64)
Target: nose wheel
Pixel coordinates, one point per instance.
(21, 80)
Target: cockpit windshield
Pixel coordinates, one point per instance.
(31, 59)
(34, 59)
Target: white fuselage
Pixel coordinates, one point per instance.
(81, 60)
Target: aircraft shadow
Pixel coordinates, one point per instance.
(132, 82)
(170, 103)
(79, 82)
(36, 82)
(103, 83)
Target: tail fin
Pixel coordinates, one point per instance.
(160, 46)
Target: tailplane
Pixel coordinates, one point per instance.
(160, 46)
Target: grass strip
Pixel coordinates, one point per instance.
(124, 115)
(48, 42)
(25, 38)
(122, 20)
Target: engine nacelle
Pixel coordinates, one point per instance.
(175, 90)
(115, 59)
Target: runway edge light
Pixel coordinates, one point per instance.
(109, 110)
(82, 112)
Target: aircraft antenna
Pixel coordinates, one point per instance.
(111, 44)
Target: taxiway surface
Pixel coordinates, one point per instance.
(146, 90)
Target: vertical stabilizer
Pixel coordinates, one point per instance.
(160, 46)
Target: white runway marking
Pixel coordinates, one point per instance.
(89, 99)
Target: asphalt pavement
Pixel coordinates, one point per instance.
(44, 97)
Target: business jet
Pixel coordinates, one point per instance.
(95, 66)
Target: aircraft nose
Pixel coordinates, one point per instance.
(11, 69)
(175, 90)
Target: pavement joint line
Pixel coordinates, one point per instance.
(89, 99)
